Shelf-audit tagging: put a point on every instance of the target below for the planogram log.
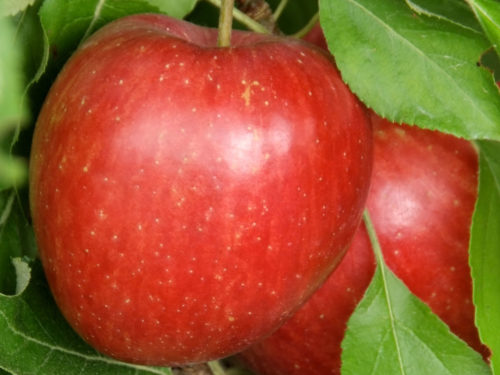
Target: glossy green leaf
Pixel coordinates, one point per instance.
(393, 332)
(488, 14)
(12, 7)
(12, 108)
(37, 340)
(485, 250)
(413, 68)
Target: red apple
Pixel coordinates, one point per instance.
(188, 198)
(424, 187)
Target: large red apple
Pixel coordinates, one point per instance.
(424, 187)
(188, 198)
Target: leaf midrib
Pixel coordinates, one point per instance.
(104, 360)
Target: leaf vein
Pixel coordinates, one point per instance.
(102, 359)
(393, 33)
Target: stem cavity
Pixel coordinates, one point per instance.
(243, 18)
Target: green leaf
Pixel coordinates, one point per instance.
(177, 8)
(11, 80)
(450, 10)
(413, 68)
(23, 274)
(16, 239)
(68, 22)
(393, 332)
(12, 7)
(37, 340)
(12, 108)
(485, 250)
(33, 42)
(488, 14)
(12, 171)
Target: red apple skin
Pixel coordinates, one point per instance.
(186, 198)
(316, 36)
(421, 201)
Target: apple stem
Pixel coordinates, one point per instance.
(225, 23)
(245, 20)
(302, 32)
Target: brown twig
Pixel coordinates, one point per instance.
(260, 11)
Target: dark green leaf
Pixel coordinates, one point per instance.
(68, 22)
(492, 62)
(36, 338)
(16, 239)
(485, 250)
(488, 14)
(32, 41)
(296, 14)
(413, 68)
(393, 332)
(206, 14)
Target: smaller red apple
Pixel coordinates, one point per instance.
(424, 187)
(315, 36)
